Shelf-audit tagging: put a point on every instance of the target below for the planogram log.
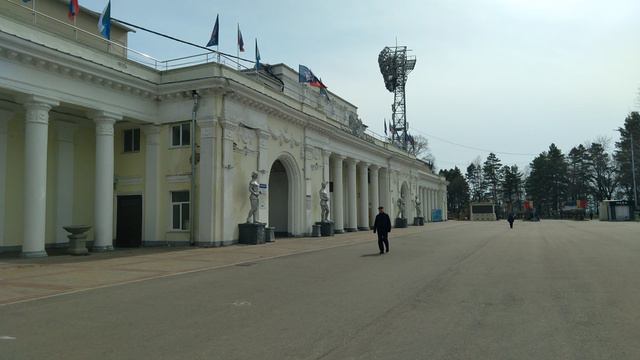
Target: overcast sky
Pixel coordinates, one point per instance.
(511, 76)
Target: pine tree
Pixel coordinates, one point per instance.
(623, 154)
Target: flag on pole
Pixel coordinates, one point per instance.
(104, 22)
(257, 56)
(385, 127)
(306, 76)
(74, 9)
(214, 35)
(240, 40)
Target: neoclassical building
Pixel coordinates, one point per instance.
(92, 132)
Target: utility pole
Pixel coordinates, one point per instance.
(633, 173)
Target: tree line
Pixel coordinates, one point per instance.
(589, 172)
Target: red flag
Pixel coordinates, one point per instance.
(74, 9)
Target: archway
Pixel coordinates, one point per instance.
(285, 202)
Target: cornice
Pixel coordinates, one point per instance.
(38, 57)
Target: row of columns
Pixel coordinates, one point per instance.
(35, 176)
(359, 174)
(432, 199)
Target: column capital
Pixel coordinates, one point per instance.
(326, 153)
(37, 102)
(363, 164)
(338, 157)
(263, 135)
(104, 116)
(351, 161)
(374, 167)
(228, 129)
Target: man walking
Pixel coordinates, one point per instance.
(511, 219)
(382, 226)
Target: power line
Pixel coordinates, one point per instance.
(472, 147)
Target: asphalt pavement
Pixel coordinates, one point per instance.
(455, 290)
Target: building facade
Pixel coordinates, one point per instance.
(91, 135)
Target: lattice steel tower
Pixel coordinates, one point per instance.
(395, 66)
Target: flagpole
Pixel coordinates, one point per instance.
(33, 7)
(238, 47)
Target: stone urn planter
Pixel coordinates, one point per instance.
(77, 239)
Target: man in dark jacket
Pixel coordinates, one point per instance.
(511, 219)
(382, 226)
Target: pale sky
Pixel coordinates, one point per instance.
(510, 76)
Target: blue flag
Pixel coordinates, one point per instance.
(257, 56)
(104, 22)
(214, 35)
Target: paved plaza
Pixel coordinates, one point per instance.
(454, 290)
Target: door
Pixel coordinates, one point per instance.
(129, 221)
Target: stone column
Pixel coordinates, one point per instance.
(151, 184)
(352, 219)
(374, 191)
(337, 210)
(35, 174)
(424, 204)
(428, 204)
(363, 206)
(206, 190)
(64, 179)
(229, 203)
(103, 226)
(264, 169)
(384, 191)
(5, 115)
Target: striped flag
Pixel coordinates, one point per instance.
(74, 9)
(257, 56)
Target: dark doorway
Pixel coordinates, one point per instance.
(129, 221)
(279, 199)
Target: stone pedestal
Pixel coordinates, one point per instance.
(77, 239)
(327, 228)
(418, 221)
(252, 234)
(315, 230)
(269, 234)
(401, 223)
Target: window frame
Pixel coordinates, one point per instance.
(181, 207)
(133, 132)
(181, 130)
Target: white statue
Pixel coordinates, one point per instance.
(324, 202)
(254, 194)
(401, 208)
(418, 207)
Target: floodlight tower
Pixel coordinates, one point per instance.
(395, 66)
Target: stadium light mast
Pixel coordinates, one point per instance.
(395, 66)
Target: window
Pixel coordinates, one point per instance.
(181, 135)
(132, 140)
(180, 210)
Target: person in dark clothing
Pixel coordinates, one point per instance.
(382, 226)
(511, 219)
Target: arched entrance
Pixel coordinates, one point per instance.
(279, 199)
(285, 197)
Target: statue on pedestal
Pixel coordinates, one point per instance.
(254, 195)
(324, 202)
(401, 208)
(418, 207)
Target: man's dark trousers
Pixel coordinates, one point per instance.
(383, 241)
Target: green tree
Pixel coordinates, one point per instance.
(475, 180)
(604, 173)
(579, 173)
(512, 187)
(492, 177)
(547, 182)
(622, 154)
(457, 191)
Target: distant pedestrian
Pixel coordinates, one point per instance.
(590, 215)
(511, 219)
(382, 226)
